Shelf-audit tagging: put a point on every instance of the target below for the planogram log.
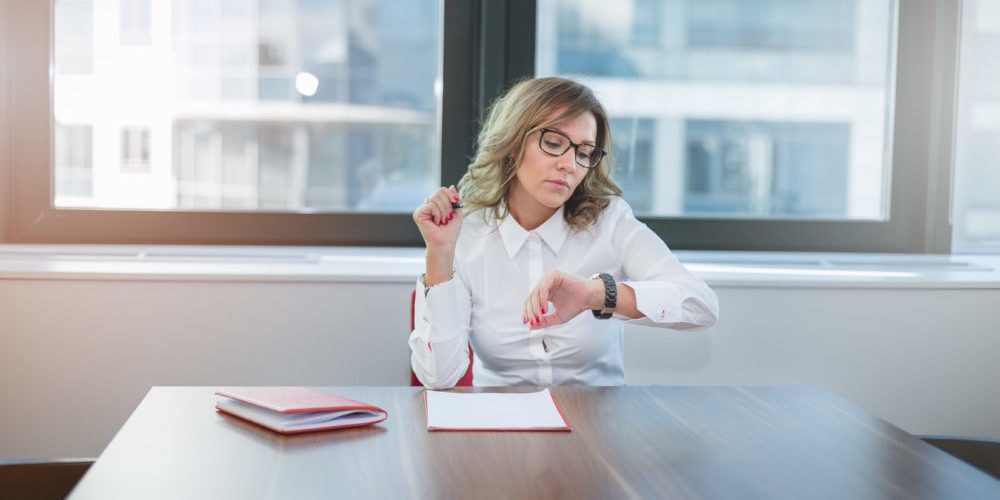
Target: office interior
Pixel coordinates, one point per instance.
(903, 322)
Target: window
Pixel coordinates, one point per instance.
(73, 161)
(756, 125)
(219, 118)
(135, 150)
(74, 50)
(976, 215)
(812, 26)
(765, 169)
(135, 17)
(318, 106)
(767, 124)
(767, 109)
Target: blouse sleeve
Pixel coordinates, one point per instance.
(439, 343)
(667, 293)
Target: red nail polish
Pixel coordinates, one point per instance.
(543, 310)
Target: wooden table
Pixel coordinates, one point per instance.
(627, 442)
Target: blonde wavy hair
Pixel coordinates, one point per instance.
(524, 109)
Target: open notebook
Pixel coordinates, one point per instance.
(493, 411)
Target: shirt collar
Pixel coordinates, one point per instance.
(553, 233)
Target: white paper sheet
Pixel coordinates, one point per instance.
(493, 411)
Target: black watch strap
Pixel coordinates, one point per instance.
(610, 296)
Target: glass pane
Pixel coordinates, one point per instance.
(976, 213)
(769, 109)
(256, 105)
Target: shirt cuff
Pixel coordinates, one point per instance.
(658, 301)
(435, 314)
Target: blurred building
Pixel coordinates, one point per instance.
(245, 105)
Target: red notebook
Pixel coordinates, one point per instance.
(291, 410)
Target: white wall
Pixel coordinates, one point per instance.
(76, 356)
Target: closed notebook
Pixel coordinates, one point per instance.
(291, 410)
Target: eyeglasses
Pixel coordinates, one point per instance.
(556, 143)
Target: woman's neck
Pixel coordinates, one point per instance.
(528, 213)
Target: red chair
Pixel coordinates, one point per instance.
(466, 379)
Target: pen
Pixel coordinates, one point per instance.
(456, 204)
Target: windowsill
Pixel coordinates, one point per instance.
(403, 265)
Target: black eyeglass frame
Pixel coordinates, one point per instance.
(575, 147)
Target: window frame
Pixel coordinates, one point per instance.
(490, 44)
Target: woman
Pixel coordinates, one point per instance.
(536, 249)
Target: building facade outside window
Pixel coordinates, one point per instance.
(767, 109)
(274, 106)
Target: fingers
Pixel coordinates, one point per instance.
(558, 298)
(536, 306)
(546, 321)
(441, 207)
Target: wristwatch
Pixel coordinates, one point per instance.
(610, 296)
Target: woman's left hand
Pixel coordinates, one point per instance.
(569, 295)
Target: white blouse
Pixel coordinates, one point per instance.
(496, 266)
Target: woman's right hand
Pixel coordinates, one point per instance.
(439, 222)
